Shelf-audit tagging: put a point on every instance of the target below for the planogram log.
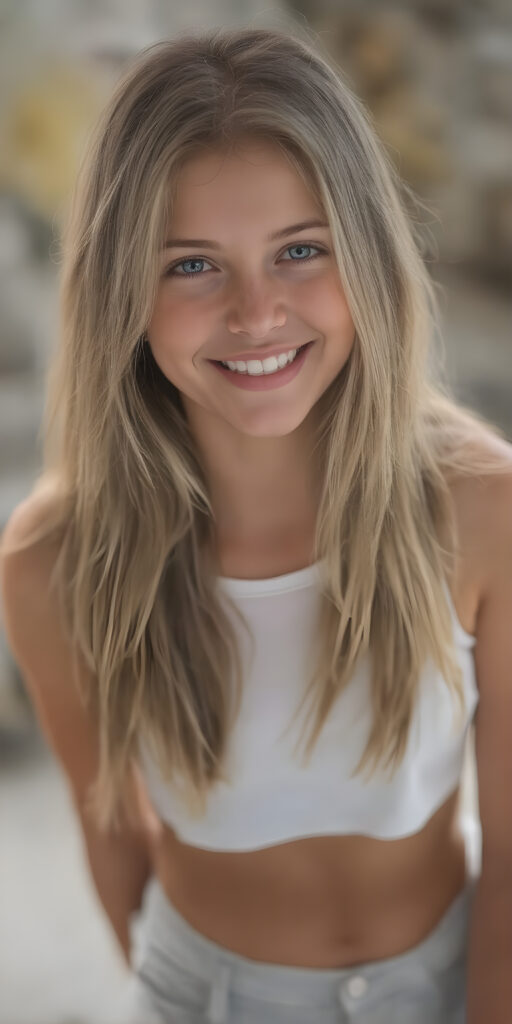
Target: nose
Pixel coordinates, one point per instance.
(256, 308)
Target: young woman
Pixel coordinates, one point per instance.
(263, 587)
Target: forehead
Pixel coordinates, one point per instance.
(253, 176)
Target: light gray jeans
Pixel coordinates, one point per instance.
(181, 977)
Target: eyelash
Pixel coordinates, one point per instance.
(202, 259)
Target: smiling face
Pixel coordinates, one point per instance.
(241, 292)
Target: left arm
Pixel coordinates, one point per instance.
(489, 966)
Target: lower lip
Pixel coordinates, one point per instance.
(265, 381)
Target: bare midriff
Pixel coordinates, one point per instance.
(323, 901)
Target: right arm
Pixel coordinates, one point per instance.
(120, 862)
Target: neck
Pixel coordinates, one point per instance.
(262, 489)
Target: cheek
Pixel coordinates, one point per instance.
(339, 319)
(325, 305)
(175, 326)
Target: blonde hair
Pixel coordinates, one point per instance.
(131, 507)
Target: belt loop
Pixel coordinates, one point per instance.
(219, 995)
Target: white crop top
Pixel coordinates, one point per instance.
(270, 798)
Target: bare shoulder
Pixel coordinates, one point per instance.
(30, 606)
(29, 609)
(482, 503)
(495, 529)
(483, 509)
(29, 515)
(25, 556)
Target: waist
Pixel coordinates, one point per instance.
(325, 902)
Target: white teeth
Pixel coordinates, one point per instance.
(257, 367)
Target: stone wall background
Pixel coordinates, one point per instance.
(437, 78)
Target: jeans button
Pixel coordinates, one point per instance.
(357, 986)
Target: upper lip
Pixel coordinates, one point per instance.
(260, 353)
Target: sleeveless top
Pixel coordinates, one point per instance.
(269, 797)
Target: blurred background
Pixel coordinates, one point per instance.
(437, 77)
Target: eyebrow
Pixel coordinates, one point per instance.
(207, 243)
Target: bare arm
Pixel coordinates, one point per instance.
(489, 989)
(121, 862)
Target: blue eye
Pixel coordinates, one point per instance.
(172, 271)
(183, 263)
(300, 245)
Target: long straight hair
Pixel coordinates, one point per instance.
(130, 502)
